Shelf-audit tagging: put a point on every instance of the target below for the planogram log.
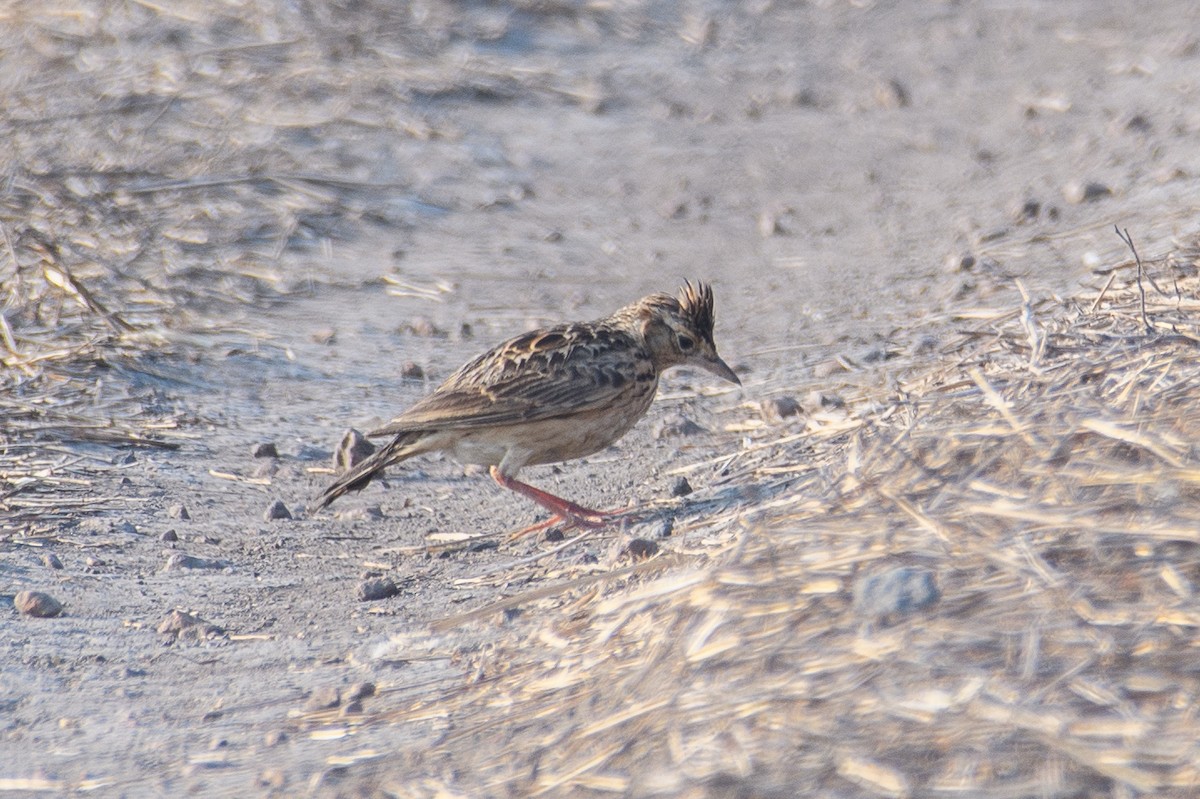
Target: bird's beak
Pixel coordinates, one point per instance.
(721, 369)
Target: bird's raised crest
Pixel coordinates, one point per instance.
(696, 303)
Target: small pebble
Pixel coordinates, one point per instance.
(37, 604)
(376, 588)
(323, 335)
(125, 528)
(277, 510)
(892, 94)
(184, 625)
(676, 425)
(412, 371)
(179, 561)
(1028, 211)
(665, 528)
(885, 596)
(1139, 123)
(681, 487)
(828, 368)
(360, 690)
(51, 560)
(876, 352)
(768, 225)
(178, 511)
(641, 548)
(925, 344)
(169, 535)
(422, 327)
(775, 409)
(323, 698)
(815, 401)
(275, 737)
(352, 450)
(960, 263)
(351, 708)
(1077, 192)
(272, 777)
(676, 208)
(266, 449)
(360, 514)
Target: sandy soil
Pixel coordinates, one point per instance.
(346, 196)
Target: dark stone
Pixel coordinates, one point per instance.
(324, 698)
(681, 487)
(776, 409)
(179, 561)
(266, 449)
(38, 604)
(353, 449)
(360, 690)
(376, 588)
(180, 625)
(888, 595)
(676, 424)
(276, 511)
(642, 548)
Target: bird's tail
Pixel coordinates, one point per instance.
(359, 476)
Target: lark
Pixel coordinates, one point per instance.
(551, 395)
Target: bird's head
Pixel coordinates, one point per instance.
(679, 330)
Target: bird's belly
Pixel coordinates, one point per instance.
(531, 443)
(482, 449)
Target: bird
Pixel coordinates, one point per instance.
(551, 395)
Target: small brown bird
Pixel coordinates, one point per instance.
(552, 395)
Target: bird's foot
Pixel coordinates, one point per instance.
(593, 521)
(563, 510)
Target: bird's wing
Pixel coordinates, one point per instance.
(541, 375)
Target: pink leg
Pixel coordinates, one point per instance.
(563, 509)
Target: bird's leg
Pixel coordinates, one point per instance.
(533, 528)
(563, 509)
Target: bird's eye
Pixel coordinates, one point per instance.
(685, 343)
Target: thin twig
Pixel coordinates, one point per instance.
(1125, 237)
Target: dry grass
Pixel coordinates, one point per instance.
(1041, 465)
(159, 172)
(1039, 462)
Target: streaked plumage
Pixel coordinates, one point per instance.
(551, 395)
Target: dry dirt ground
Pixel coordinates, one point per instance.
(308, 214)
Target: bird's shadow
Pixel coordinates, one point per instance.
(740, 498)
